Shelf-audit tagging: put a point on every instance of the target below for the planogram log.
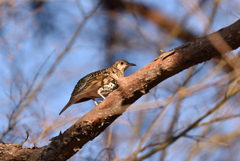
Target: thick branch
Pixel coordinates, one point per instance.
(133, 87)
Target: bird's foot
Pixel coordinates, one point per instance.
(95, 101)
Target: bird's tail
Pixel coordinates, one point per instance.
(65, 107)
(71, 101)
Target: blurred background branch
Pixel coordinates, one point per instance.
(48, 45)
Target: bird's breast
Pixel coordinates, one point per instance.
(107, 88)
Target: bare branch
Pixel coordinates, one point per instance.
(133, 87)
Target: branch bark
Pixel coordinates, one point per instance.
(131, 88)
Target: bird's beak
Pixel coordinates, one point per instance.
(131, 64)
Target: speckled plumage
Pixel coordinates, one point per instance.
(97, 84)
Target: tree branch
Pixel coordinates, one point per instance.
(131, 88)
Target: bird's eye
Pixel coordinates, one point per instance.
(122, 63)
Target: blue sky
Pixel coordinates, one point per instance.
(28, 38)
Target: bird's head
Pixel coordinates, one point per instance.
(122, 65)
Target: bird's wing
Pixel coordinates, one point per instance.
(88, 83)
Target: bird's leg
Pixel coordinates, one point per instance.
(95, 101)
(99, 92)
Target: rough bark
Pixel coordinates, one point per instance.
(131, 88)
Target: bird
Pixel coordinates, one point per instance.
(97, 84)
